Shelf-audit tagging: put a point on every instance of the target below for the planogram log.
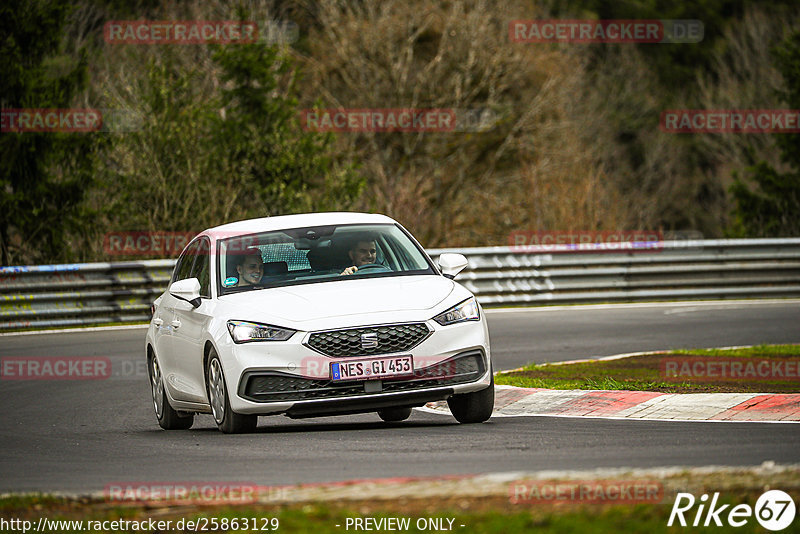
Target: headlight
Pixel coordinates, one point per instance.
(243, 332)
(465, 311)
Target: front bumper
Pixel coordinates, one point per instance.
(260, 386)
(296, 381)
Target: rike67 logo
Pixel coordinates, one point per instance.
(774, 510)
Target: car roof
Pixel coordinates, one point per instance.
(280, 222)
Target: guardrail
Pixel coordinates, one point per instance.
(100, 293)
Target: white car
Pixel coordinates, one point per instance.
(315, 315)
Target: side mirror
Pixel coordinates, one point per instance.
(452, 264)
(188, 290)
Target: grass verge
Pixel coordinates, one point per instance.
(498, 508)
(758, 369)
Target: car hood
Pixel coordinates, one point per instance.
(312, 302)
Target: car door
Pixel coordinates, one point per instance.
(170, 367)
(189, 326)
(165, 314)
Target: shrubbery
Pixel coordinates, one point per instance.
(216, 136)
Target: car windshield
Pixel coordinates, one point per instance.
(317, 254)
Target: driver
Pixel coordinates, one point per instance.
(249, 267)
(361, 252)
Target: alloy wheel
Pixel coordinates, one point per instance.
(216, 390)
(157, 387)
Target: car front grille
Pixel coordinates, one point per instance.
(349, 342)
(281, 387)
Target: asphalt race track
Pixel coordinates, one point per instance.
(80, 436)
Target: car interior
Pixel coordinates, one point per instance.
(296, 255)
(324, 259)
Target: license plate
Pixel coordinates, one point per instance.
(371, 368)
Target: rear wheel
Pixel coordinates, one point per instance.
(168, 419)
(393, 415)
(475, 407)
(227, 420)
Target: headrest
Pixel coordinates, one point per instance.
(275, 267)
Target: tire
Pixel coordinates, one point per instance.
(475, 407)
(394, 415)
(168, 418)
(227, 420)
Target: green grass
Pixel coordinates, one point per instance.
(493, 511)
(643, 373)
(323, 519)
(744, 352)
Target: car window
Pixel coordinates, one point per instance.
(184, 266)
(201, 268)
(315, 254)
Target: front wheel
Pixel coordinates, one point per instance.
(168, 419)
(227, 420)
(475, 407)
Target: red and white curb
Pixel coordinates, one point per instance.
(642, 405)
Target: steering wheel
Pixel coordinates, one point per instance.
(370, 266)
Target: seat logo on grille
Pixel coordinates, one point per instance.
(369, 340)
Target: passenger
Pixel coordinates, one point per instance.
(249, 267)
